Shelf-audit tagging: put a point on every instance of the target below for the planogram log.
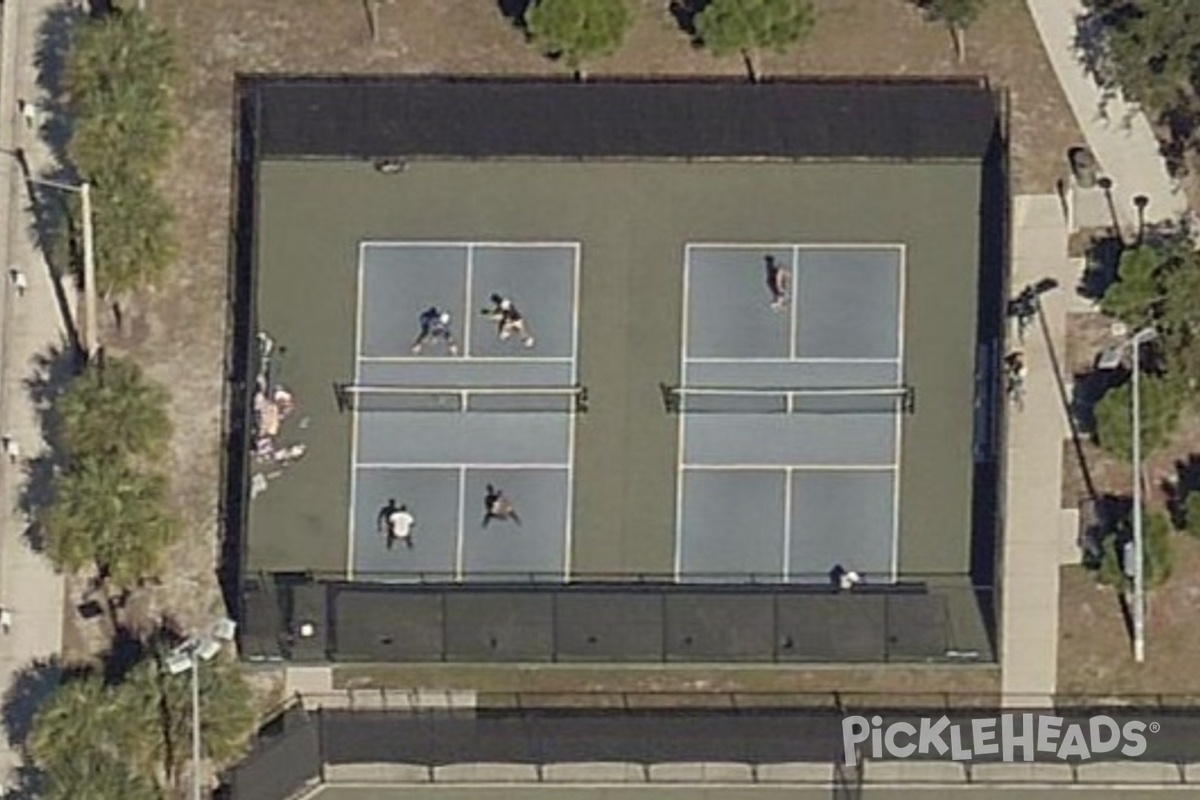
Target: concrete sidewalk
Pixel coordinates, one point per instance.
(1033, 513)
(1038, 532)
(30, 326)
(1117, 132)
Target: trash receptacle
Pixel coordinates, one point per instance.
(1084, 167)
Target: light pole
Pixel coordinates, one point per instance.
(84, 190)
(187, 658)
(1109, 359)
(90, 328)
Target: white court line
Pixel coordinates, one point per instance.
(898, 418)
(358, 333)
(800, 360)
(457, 465)
(464, 359)
(681, 453)
(796, 467)
(467, 315)
(462, 516)
(787, 522)
(572, 421)
(416, 243)
(789, 245)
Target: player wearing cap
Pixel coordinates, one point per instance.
(509, 320)
(435, 325)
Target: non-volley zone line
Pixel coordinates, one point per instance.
(467, 359)
(797, 360)
(430, 465)
(794, 467)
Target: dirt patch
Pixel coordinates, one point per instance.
(1094, 653)
(178, 332)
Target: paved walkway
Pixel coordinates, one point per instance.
(1039, 535)
(1116, 131)
(30, 324)
(1029, 637)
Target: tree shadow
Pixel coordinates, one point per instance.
(1100, 267)
(50, 59)
(1091, 50)
(1110, 512)
(1178, 121)
(25, 783)
(129, 647)
(28, 690)
(1180, 124)
(1065, 395)
(53, 371)
(514, 11)
(1186, 481)
(50, 211)
(1087, 389)
(684, 13)
(55, 211)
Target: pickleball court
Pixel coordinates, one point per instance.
(433, 429)
(790, 418)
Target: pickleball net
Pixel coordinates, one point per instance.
(457, 399)
(787, 400)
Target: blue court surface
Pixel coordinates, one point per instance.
(790, 431)
(412, 444)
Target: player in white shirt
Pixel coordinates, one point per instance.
(509, 320)
(396, 523)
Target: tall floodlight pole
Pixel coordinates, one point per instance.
(90, 328)
(91, 322)
(1139, 545)
(1110, 359)
(188, 656)
(91, 331)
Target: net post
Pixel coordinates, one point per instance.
(670, 398)
(341, 397)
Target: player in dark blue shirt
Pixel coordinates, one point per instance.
(435, 326)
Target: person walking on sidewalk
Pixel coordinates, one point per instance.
(1015, 373)
(19, 281)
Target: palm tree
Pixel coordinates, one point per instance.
(109, 515)
(112, 409)
(118, 79)
(108, 779)
(92, 741)
(135, 242)
(76, 716)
